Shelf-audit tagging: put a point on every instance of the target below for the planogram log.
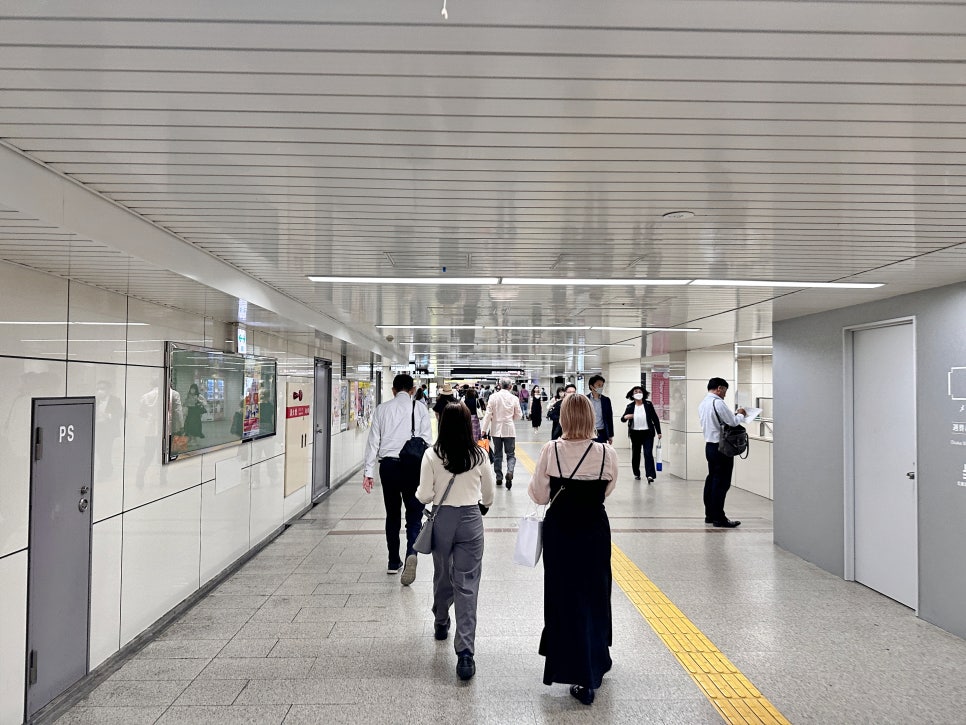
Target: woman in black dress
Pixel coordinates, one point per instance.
(536, 407)
(574, 475)
(194, 405)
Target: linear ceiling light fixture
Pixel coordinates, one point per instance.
(406, 280)
(551, 281)
(651, 329)
(776, 283)
(430, 327)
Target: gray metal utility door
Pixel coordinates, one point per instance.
(322, 438)
(58, 608)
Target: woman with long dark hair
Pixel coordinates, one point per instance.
(472, 402)
(458, 465)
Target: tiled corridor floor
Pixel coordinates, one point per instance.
(312, 630)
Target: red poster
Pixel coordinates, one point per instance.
(297, 411)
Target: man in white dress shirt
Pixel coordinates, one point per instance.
(392, 426)
(502, 409)
(713, 412)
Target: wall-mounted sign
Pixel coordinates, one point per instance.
(241, 346)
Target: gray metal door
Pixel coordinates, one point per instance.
(322, 412)
(58, 593)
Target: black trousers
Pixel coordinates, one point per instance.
(717, 483)
(643, 439)
(399, 490)
(601, 435)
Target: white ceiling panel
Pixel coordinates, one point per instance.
(813, 141)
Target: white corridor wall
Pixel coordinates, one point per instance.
(159, 532)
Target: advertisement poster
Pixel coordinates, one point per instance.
(661, 394)
(364, 405)
(344, 404)
(353, 404)
(336, 406)
(252, 417)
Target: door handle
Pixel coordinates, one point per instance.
(911, 474)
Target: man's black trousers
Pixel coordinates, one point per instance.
(717, 483)
(398, 490)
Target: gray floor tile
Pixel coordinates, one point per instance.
(181, 648)
(161, 669)
(211, 692)
(81, 715)
(232, 715)
(239, 647)
(135, 693)
(237, 668)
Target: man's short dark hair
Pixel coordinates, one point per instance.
(402, 382)
(596, 378)
(716, 383)
(570, 385)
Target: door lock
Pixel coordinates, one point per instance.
(911, 474)
(83, 504)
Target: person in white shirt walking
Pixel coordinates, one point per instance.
(392, 425)
(713, 412)
(502, 410)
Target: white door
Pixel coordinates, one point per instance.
(884, 435)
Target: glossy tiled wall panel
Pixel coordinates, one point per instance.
(268, 485)
(33, 317)
(754, 472)
(265, 448)
(152, 325)
(160, 564)
(98, 320)
(225, 518)
(298, 500)
(23, 381)
(241, 453)
(105, 590)
(13, 636)
(145, 479)
(107, 384)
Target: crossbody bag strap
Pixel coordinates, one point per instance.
(718, 415)
(445, 494)
(413, 421)
(603, 460)
(577, 467)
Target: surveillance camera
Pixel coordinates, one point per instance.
(389, 338)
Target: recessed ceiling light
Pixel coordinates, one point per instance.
(681, 214)
(775, 283)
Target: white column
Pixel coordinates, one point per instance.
(621, 376)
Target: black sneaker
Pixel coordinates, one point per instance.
(394, 568)
(727, 524)
(583, 694)
(465, 666)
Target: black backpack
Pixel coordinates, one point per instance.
(734, 439)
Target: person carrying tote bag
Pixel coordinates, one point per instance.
(457, 527)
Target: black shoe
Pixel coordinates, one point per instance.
(584, 694)
(394, 568)
(500, 482)
(726, 524)
(509, 479)
(650, 480)
(442, 631)
(638, 478)
(708, 521)
(465, 666)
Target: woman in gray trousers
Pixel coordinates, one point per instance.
(458, 529)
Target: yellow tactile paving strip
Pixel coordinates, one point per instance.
(731, 693)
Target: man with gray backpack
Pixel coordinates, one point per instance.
(720, 448)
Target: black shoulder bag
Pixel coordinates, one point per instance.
(734, 438)
(411, 455)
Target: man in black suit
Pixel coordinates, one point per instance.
(603, 413)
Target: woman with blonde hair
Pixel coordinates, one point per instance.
(574, 475)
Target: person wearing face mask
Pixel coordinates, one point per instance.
(553, 413)
(642, 425)
(603, 412)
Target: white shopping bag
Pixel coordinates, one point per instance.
(658, 463)
(529, 540)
